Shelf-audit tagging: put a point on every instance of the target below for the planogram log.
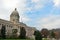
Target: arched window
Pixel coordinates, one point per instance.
(7, 25)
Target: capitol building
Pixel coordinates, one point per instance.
(14, 25)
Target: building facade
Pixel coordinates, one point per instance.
(15, 25)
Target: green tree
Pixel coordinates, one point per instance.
(38, 35)
(3, 32)
(22, 33)
(52, 34)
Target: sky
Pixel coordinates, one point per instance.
(34, 13)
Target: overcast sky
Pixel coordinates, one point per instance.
(34, 13)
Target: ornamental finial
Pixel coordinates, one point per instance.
(15, 8)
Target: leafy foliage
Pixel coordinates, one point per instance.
(22, 33)
(53, 34)
(3, 32)
(38, 35)
(44, 33)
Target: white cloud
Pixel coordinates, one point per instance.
(39, 4)
(35, 1)
(13, 3)
(49, 22)
(36, 5)
(56, 3)
(10, 3)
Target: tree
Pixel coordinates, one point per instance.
(52, 34)
(44, 33)
(22, 33)
(3, 32)
(38, 35)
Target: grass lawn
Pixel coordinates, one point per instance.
(15, 39)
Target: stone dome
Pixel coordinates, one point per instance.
(15, 12)
(14, 17)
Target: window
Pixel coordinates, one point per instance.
(7, 25)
